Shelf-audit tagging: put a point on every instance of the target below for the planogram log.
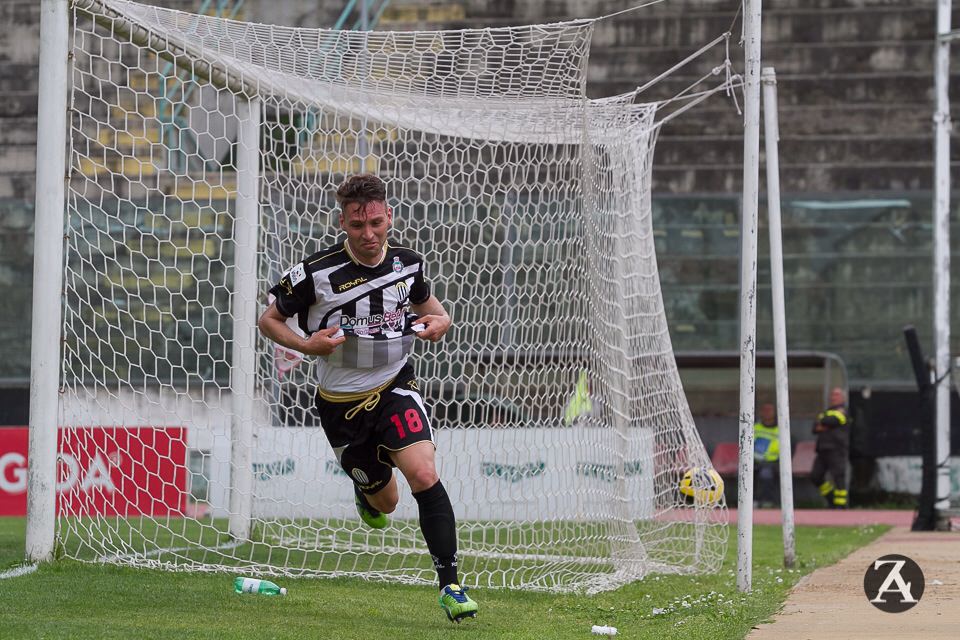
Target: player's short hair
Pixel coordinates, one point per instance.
(361, 189)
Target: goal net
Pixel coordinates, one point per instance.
(204, 156)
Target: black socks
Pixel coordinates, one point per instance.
(439, 528)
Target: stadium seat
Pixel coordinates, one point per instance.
(725, 458)
(803, 456)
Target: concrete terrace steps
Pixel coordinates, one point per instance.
(809, 89)
(850, 148)
(880, 175)
(848, 58)
(812, 120)
(690, 23)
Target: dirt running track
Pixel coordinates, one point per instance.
(830, 602)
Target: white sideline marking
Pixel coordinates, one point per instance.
(18, 571)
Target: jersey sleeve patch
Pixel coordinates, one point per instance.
(297, 274)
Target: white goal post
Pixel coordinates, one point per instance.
(203, 155)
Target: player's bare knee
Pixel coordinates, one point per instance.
(422, 479)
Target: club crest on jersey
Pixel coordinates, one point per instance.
(397, 265)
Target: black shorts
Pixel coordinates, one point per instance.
(363, 442)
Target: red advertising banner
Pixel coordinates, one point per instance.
(112, 471)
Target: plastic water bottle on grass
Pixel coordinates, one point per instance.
(255, 585)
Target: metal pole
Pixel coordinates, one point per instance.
(363, 148)
(244, 357)
(748, 289)
(771, 139)
(47, 278)
(941, 253)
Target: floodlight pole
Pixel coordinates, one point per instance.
(748, 289)
(47, 278)
(771, 129)
(941, 252)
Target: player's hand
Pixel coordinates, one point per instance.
(323, 342)
(434, 326)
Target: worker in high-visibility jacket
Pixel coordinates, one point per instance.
(832, 429)
(766, 457)
(580, 404)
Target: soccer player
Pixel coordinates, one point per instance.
(353, 302)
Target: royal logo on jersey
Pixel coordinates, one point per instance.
(351, 284)
(397, 265)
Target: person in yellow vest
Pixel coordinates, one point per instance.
(833, 448)
(766, 458)
(580, 403)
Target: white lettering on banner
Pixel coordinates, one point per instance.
(98, 475)
(17, 464)
(95, 476)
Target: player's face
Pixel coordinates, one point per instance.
(366, 227)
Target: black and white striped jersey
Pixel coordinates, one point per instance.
(371, 305)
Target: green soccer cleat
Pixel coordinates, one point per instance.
(456, 603)
(368, 514)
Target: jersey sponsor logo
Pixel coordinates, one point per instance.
(397, 265)
(297, 274)
(373, 324)
(349, 285)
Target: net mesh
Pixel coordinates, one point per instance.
(561, 426)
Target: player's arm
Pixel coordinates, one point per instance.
(433, 317)
(273, 324)
(294, 294)
(430, 311)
